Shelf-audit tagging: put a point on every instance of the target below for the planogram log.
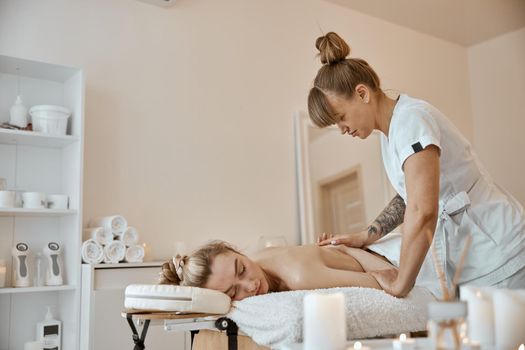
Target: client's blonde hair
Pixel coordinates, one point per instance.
(193, 270)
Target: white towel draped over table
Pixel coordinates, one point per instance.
(276, 319)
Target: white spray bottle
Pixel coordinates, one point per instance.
(54, 265)
(20, 270)
(49, 332)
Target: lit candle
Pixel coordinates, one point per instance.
(3, 272)
(480, 314)
(522, 347)
(359, 346)
(470, 345)
(404, 343)
(147, 252)
(509, 312)
(324, 325)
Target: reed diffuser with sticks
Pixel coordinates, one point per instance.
(447, 317)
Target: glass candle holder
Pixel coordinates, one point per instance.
(446, 324)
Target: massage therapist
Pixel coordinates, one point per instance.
(444, 193)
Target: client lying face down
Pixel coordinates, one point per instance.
(219, 266)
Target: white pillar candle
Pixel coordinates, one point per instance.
(324, 324)
(404, 343)
(480, 314)
(33, 345)
(509, 312)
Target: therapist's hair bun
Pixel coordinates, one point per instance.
(332, 48)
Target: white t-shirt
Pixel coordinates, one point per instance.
(469, 201)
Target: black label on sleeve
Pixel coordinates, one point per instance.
(417, 147)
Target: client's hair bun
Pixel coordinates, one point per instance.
(168, 274)
(332, 48)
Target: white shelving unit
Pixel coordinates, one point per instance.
(31, 161)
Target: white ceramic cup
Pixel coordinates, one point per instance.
(7, 199)
(57, 201)
(34, 200)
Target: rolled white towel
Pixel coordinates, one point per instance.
(114, 252)
(134, 253)
(115, 224)
(129, 237)
(92, 252)
(99, 234)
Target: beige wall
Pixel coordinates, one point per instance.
(189, 130)
(497, 75)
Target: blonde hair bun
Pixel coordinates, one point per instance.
(332, 48)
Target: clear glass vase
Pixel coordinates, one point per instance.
(447, 327)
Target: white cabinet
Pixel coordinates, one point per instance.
(37, 162)
(103, 327)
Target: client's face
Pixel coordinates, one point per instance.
(237, 276)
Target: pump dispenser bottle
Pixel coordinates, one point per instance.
(49, 332)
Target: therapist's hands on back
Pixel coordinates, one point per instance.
(355, 240)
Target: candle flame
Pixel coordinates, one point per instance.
(357, 345)
(478, 294)
(522, 347)
(403, 337)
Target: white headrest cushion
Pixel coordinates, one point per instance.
(166, 297)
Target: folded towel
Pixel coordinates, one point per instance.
(92, 252)
(134, 253)
(99, 234)
(276, 319)
(114, 252)
(129, 237)
(115, 224)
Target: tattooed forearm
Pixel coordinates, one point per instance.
(390, 218)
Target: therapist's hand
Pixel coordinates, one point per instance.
(387, 279)
(355, 240)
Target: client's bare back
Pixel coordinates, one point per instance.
(311, 266)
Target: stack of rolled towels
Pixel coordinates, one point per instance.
(111, 241)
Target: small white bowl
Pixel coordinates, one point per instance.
(49, 119)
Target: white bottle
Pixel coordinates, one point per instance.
(49, 332)
(39, 270)
(18, 113)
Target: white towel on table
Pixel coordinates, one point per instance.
(99, 234)
(92, 252)
(129, 237)
(276, 319)
(114, 252)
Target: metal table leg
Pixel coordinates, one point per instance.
(139, 341)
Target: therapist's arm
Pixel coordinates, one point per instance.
(422, 184)
(390, 218)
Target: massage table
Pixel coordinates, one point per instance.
(272, 320)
